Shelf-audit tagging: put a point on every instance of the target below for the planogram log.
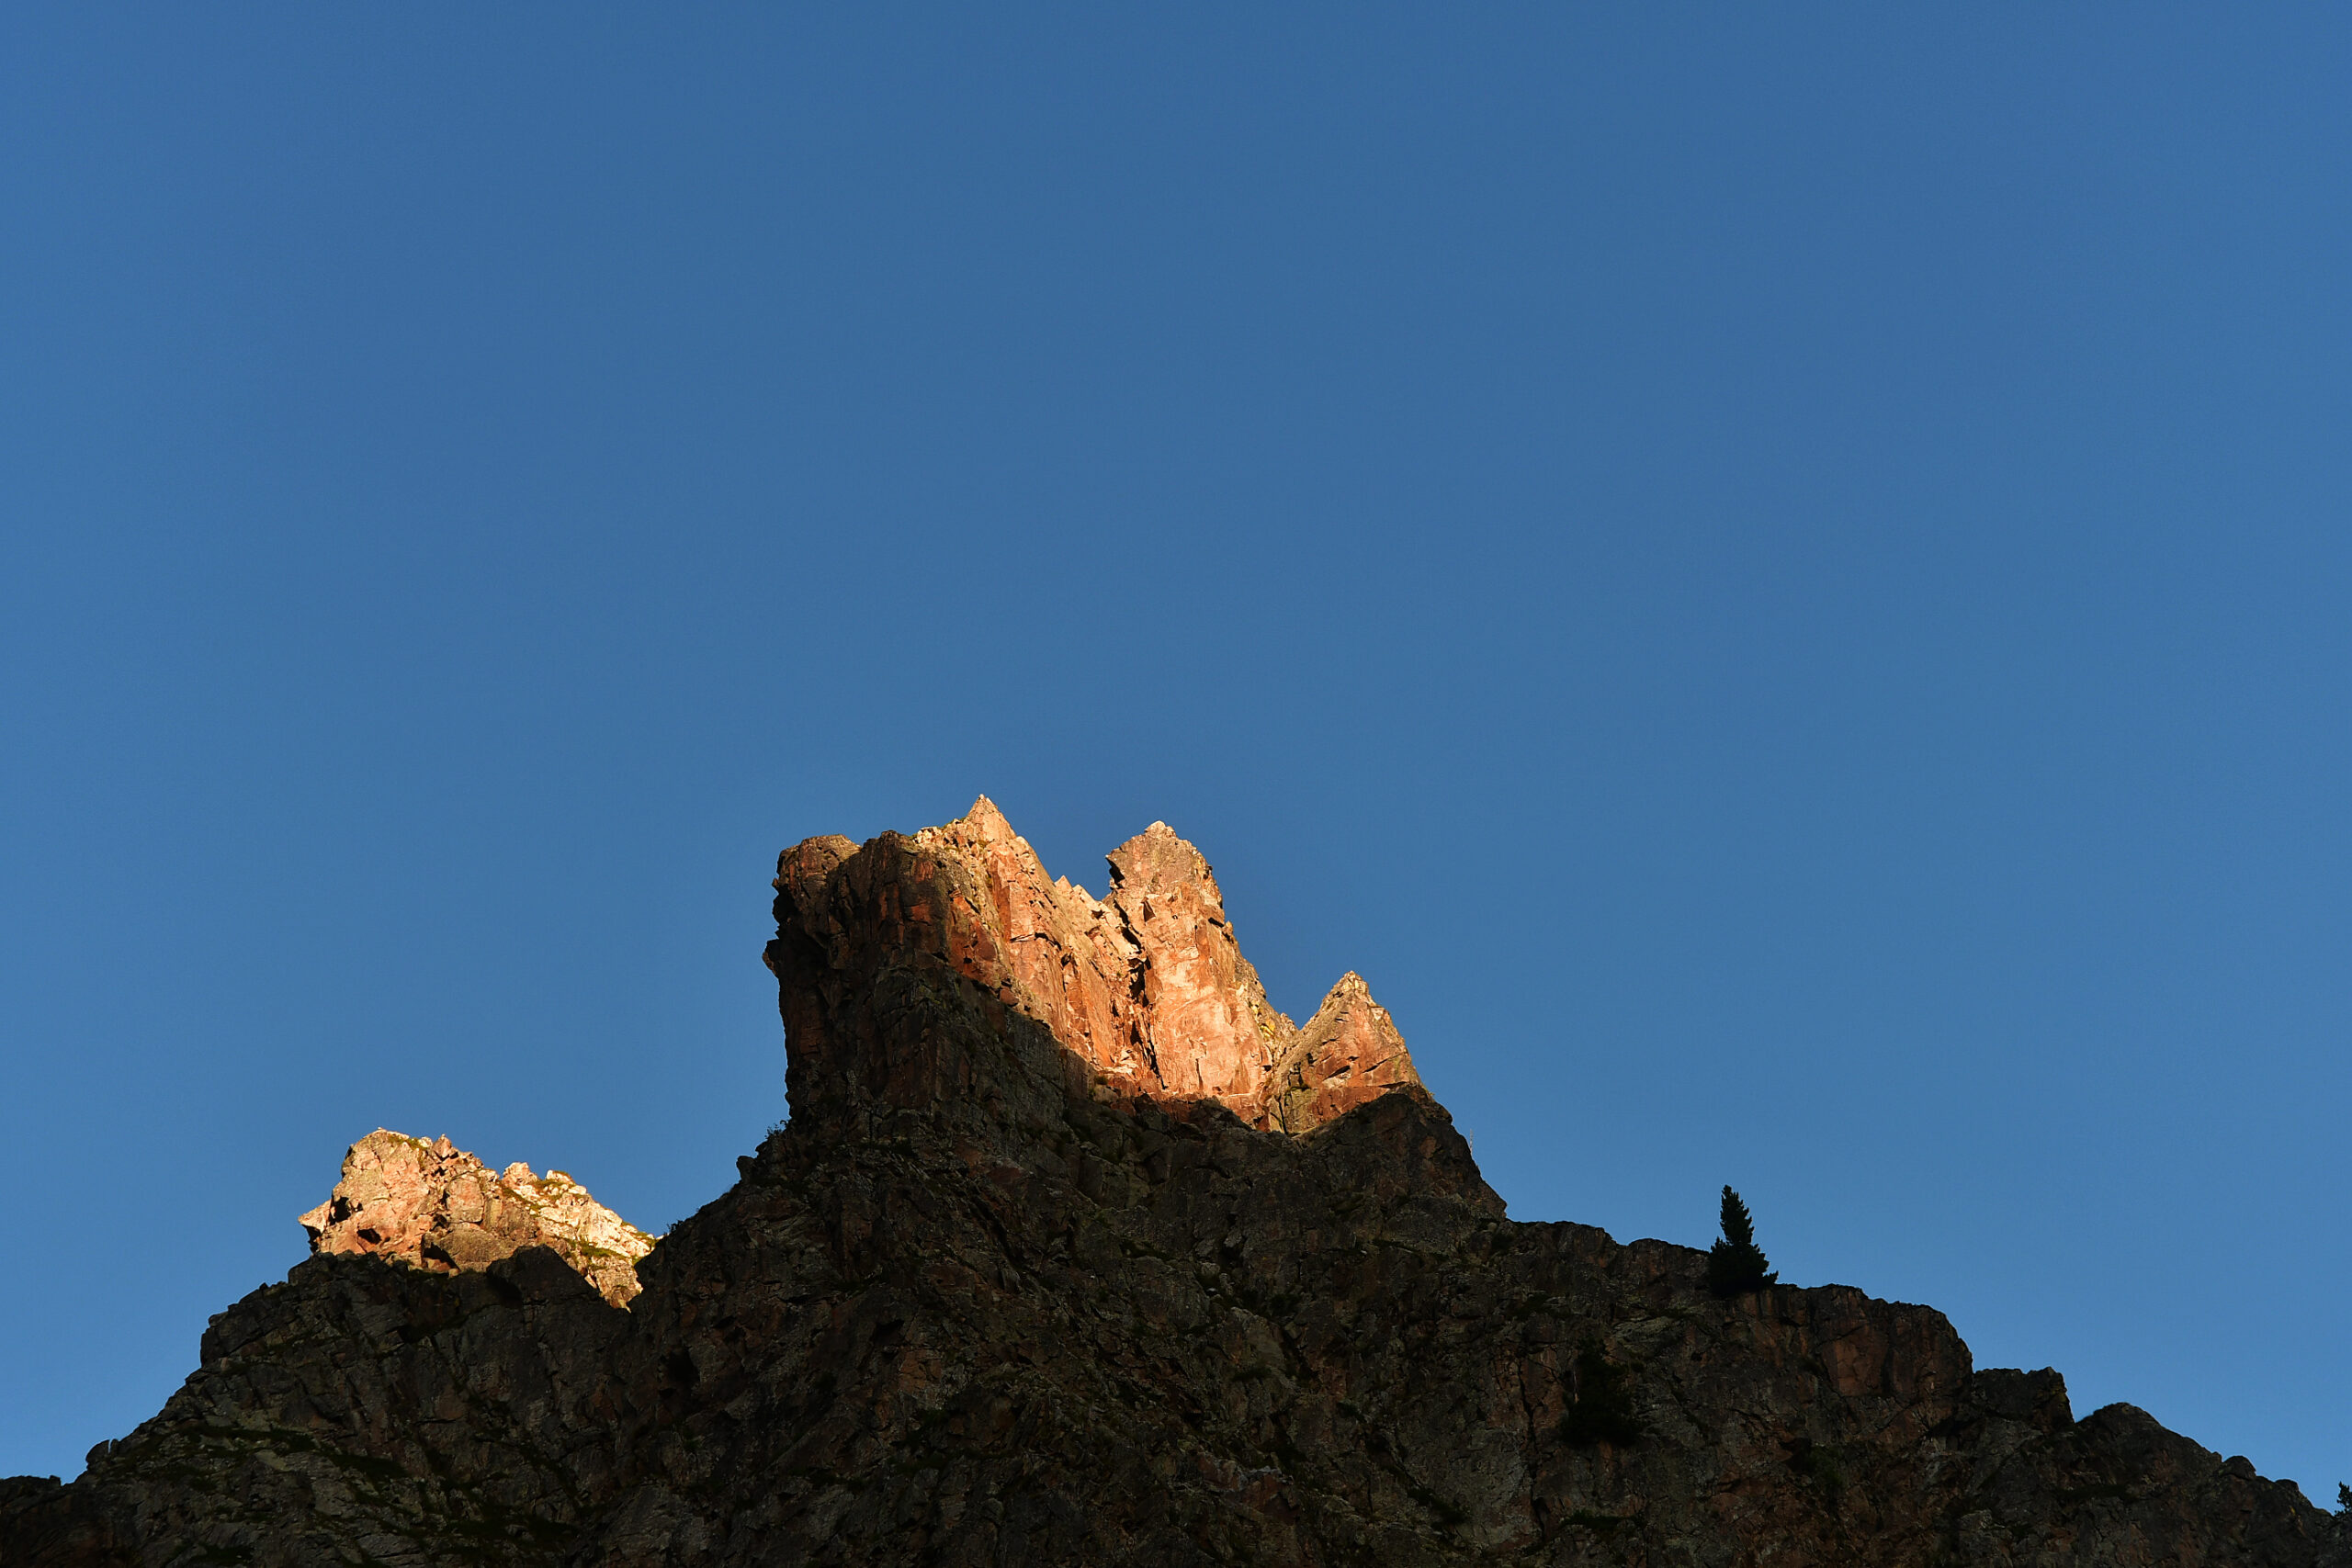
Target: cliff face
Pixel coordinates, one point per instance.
(1076, 1251)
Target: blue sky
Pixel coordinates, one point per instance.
(1778, 585)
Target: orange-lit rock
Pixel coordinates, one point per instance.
(434, 1206)
(1348, 1054)
(1146, 985)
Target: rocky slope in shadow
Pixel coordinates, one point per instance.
(1076, 1251)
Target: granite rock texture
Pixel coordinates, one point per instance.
(1076, 1251)
(432, 1205)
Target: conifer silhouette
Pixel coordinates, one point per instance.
(1735, 1264)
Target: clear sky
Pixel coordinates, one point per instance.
(1778, 583)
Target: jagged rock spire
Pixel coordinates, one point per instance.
(1348, 1054)
(1146, 988)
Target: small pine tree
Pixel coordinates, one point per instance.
(2343, 1499)
(1735, 1264)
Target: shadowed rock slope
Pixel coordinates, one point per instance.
(1076, 1251)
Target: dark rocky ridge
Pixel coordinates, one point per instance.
(1075, 1251)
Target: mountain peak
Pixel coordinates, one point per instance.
(1145, 991)
(433, 1206)
(1074, 1250)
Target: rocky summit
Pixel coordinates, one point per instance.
(1076, 1250)
(432, 1205)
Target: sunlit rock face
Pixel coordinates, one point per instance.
(432, 1205)
(1348, 1054)
(1145, 985)
(1074, 1251)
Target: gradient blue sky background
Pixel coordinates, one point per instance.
(1778, 583)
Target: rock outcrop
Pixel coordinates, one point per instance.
(1145, 990)
(1348, 1054)
(432, 1205)
(1076, 1251)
